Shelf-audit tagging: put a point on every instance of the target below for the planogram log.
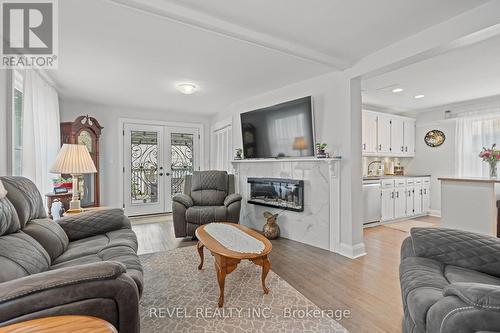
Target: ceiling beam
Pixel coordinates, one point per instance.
(202, 21)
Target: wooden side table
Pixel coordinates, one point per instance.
(65, 198)
(61, 324)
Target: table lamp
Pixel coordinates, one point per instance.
(300, 144)
(74, 160)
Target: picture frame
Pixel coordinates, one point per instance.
(60, 190)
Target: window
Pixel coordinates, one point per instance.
(17, 123)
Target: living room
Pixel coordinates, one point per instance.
(201, 166)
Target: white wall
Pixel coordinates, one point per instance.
(4, 109)
(332, 102)
(437, 161)
(440, 161)
(108, 117)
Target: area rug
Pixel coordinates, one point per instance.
(407, 225)
(180, 298)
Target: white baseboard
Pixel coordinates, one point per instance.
(352, 251)
(435, 212)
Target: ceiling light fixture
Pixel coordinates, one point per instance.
(418, 96)
(397, 90)
(186, 88)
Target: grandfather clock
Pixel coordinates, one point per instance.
(85, 130)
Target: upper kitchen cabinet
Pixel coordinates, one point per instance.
(369, 125)
(409, 136)
(387, 135)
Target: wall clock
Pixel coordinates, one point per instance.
(434, 138)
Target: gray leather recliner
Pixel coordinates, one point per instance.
(80, 265)
(450, 281)
(208, 197)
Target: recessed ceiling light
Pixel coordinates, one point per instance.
(397, 90)
(186, 88)
(418, 96)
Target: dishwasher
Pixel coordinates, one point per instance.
(372, 201)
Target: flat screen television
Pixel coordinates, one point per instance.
(281, 130)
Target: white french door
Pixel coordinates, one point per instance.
(156, 160)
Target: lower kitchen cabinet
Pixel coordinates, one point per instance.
(404, 198)
(387, 204)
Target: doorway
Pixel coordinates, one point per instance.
(156, 160)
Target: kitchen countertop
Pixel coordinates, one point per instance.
(471, 179)
(390, 177)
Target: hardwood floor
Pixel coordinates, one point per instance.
(367, 286)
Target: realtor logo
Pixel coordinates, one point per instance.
(29, 34)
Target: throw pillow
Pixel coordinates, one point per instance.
(3, 191)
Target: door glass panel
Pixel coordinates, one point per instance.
(182, 159)
(144, 167)
(87, 181)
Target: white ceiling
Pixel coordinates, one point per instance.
(111, 53)
(463, 74)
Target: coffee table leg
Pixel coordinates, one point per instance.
(266, 265)
(200, 252)
(221, 278)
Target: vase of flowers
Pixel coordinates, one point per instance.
(491, 156)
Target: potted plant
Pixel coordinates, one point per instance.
(491, 156)
(239, 154)
(320, 150)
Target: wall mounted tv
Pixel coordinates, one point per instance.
(281, 130)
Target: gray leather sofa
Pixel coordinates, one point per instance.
(83, 265)
(208, 197)
(450, 281)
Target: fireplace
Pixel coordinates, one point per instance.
(281, 193)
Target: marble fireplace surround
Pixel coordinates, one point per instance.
(319, 224)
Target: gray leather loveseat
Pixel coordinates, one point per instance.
(208, 197)
(450, 281)
(85, 264)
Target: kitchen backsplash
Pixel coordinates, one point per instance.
(397, 160)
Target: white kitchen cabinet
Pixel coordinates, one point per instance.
(369, 132)
(409, 137)
(410, 201)
(387, 135)
(404, 197)
(417, 199)
(387, 204)
(383, 134)
(426, 199)
(399, 202)
(397, 136)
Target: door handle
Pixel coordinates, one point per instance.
(406, 149)
(397, 194)
(402, 148)
(364, 146)
(380, 147)
(161, 173)
(167, 174)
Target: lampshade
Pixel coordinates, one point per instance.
(73, 159)
(299, 143)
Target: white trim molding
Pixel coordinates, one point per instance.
(352, 251)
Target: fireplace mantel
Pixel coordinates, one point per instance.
(319, 224)
(286, 159)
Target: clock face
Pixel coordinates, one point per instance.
(434, 138)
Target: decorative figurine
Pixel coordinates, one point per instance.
(271, 229)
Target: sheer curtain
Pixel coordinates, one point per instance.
(41, 134)
(473, 132)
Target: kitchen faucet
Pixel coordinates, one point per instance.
(369, 172)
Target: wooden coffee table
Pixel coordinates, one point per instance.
(226, 260)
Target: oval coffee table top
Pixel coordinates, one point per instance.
(214, 246)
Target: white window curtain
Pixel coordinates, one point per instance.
(473, 132)
(41, 133)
